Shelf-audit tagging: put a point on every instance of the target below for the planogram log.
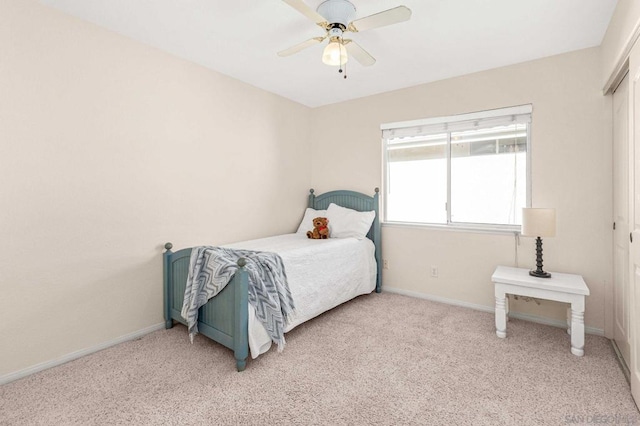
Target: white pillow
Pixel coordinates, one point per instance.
(344, 222)
(307, 220)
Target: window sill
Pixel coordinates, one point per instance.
(481, 229)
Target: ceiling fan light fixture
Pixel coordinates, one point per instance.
(336, 18)
(334, 54)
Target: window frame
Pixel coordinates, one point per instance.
(459, 226)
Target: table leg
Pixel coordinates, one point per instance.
(501, 315)
(568, 320)
(506, 306)
(577, 328)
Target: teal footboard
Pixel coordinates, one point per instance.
(224, 318)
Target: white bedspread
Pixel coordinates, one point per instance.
(322, 274)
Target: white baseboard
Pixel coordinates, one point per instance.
(490, 309)
(75, 355)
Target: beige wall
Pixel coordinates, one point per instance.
(105, 144)
(109, 148)
(571, 171)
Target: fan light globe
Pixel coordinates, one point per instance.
(334, 54)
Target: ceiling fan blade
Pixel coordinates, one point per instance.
(381, 19)
(302, 7)
(358, 53)
(298, 47)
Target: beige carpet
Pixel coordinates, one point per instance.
(380, 359)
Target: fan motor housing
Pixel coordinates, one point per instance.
(337, 12)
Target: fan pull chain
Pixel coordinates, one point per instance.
(340, 55)
(345, 64)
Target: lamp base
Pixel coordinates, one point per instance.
(540, 274)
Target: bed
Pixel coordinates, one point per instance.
(226, 318)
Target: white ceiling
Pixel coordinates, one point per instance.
(443, 38)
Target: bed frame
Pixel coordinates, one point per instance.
(224, 318)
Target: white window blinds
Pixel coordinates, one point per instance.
(457, 123)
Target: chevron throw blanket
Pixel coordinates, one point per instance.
(211, 268)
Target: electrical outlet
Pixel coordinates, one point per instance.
(434, 271)
(385, 264)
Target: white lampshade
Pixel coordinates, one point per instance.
(335, 54)
(538, 222)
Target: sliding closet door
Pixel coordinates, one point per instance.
(621, 218)
(634, 221)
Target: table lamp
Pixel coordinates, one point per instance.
(538, 223)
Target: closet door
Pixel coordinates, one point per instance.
(621, 218)
(634, 221)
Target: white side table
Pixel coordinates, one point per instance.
(567, 288)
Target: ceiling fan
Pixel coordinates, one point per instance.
(335, 17)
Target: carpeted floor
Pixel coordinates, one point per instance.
(378, 360)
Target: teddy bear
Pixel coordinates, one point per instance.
(320, 229)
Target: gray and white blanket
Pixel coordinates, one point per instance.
(211, 269)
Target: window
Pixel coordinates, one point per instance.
(469, 170)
